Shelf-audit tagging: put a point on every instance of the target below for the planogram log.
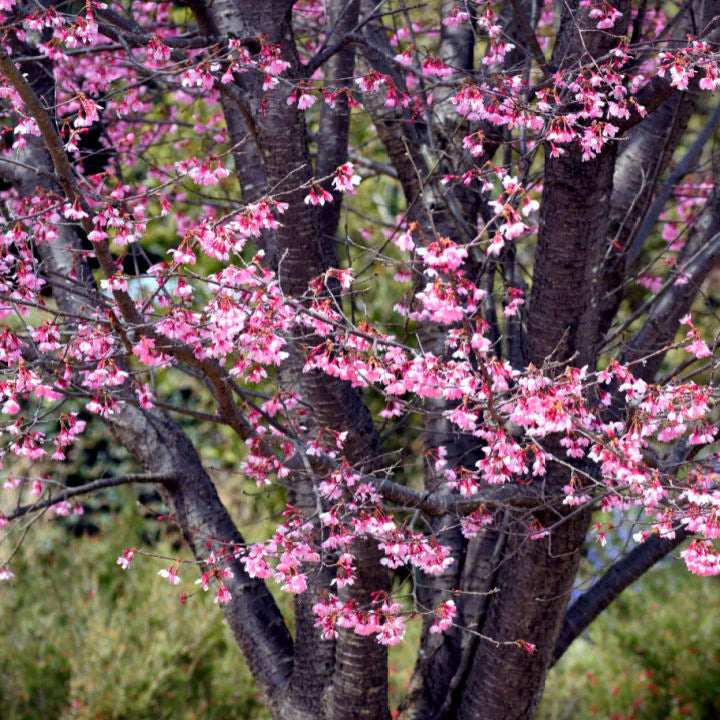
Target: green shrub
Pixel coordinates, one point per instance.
(83, 640)
(655, 653)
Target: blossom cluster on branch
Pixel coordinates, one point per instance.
(216, 309)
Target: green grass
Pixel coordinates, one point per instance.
(84, 640)
(654, 654)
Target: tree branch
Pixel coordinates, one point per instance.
(87, 489)
(531, 40)
(699, 256)
(617, 578)
(437, 504)
(151, 436)
(668, 185)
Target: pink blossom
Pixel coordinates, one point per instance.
(171, 574)
(160, 52)
(404, 241)
(223, 596)
(62, 508)
(255, 563)
(404, 58)
(318, 196)
(474, 143)
(5, 573)
(145, 350)
(88, 112)
(328, 610)
(444, 616)
(271, 61)
(304, 99)
(372, 82)
(197, 78)
(392, 631)
(435, 66)
(203, 173)
(345, 179)
(516, 301)
(701, 558)
(345, 570)
(344, 276)
(11, 406)
(711, 81)
(126, 558)
(471, 525)
(605, 13)
(455, 17)
(293, 583)
(697, 346)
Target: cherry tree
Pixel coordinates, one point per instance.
(489, 226)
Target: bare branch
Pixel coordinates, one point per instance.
(616, 579)
(531, 40)
(699, 256)
(667, 187)
(87, 489)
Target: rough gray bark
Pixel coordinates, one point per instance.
(645, 154)
(537, 576)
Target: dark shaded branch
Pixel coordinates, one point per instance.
(87, 489)
(535, 578)
(302, 249)
(151, 436)
(617, 578)
(436, 504)
(347, 32)
(644, 157)
(215, 373)
(683, 167)
(699, 256)
(703, 14)
(530, 38)
(334, 131)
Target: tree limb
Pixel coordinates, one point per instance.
(151, 436)
(699, 256)
(617, 578)
(87, 489)
(667, 187)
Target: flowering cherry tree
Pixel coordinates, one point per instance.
(484, 228)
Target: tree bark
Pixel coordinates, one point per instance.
(157, 442)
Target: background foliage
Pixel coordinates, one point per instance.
(114, 645)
